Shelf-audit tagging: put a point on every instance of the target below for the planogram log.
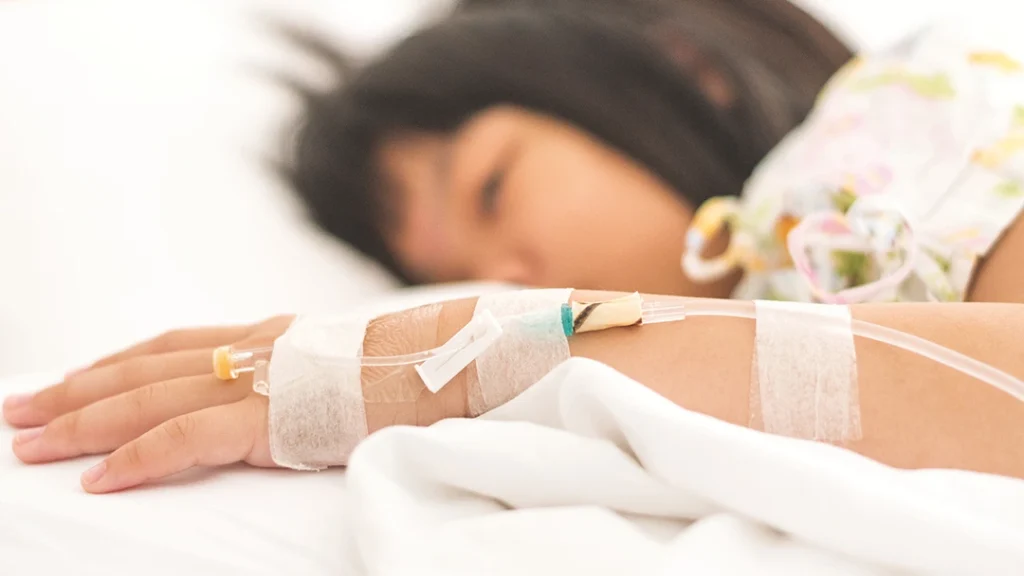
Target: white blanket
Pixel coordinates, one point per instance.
(591, 473)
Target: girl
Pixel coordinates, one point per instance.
(534, 144)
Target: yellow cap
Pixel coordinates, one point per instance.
(712, 215)
(223, 366)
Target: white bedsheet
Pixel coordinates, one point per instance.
(589, 472)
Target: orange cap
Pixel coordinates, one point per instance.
(223, 366)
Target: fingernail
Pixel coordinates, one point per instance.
(93, 474)
(26, 436)
(16, 401)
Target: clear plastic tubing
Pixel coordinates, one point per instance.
(235, 362)
(955, 360)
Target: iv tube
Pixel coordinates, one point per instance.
(955, 360)
(230, 363)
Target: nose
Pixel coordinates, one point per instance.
(506, 267)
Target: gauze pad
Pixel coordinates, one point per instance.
(804, 374)
(532, 344)
(317, 412)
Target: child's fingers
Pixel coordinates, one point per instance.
(211, 437)
(177, 340)
(84, 389)
(112, 422)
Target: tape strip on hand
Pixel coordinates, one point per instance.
(533, 343)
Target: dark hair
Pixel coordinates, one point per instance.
(618, 69)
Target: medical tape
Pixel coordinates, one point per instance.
(405, 332)
(321, 393)
(532, 343)
(460, 351)
(317, 414)
(804, 372)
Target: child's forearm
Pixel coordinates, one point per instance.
(915, 413)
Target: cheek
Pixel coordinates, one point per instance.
(592, 222)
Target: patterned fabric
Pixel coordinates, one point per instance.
(906, 173)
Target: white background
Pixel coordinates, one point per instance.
(132, 198)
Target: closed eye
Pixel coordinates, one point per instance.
(490, 191)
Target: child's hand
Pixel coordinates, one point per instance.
(156, 405)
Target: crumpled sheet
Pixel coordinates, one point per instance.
(589, 472)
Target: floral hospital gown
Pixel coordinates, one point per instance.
(902, 178)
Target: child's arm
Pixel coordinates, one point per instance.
(915, 413)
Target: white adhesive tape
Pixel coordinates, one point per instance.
(804, 375)
(317, 412)
(462, 349)
(526, 351)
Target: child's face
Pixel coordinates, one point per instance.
(519, 197)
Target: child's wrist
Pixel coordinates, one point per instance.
(397, 396)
